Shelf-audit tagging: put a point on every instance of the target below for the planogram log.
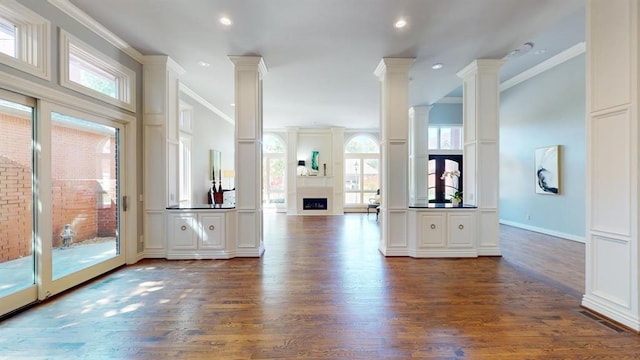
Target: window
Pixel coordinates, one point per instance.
(445, 137)
(24, 39)
(273, 171)
(86, 70)
(361, 170)
(442, 190)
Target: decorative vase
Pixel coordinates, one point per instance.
(455, 202)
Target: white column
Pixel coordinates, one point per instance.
(337, 170)
(394, 154)
(612, 270)
(161, 77)
(481, 106)
(249, 71)
(292, 171)
(419, 154)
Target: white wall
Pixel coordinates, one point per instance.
(210, 132)
(548, 109)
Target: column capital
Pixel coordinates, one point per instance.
(481, 65)
(249, 63)
(393, 65)
(163, 60)
(420, 110)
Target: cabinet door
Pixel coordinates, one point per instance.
(184, 232)
(461, 230)
(212, 232)
(432, 234)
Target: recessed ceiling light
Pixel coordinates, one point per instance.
(225, 21)
(233, 105)
(437, 66)
(203, 63)
(400, 23)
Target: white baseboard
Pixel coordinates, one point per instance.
(572, 237)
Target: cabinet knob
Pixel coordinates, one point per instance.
(460, 226)
(183, 227)
(433, 226)
(211, 227)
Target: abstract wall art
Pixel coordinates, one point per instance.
(547, 171)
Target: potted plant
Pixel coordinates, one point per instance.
(456, 199)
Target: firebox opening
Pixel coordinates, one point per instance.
(314, 203)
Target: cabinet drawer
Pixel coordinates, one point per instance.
(212, 232)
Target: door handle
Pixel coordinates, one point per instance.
(125, 203)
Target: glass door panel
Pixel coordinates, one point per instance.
(17, 255)
(84, 175)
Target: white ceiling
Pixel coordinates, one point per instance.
(321, 54)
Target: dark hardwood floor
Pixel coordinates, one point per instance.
(323, 291)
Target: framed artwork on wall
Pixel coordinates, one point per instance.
(547, 170)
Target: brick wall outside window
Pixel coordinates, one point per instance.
(78, 196)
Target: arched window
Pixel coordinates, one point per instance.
(274, 172)
(361, 170)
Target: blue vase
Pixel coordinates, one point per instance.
(314, 160)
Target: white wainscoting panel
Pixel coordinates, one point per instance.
(612, 261)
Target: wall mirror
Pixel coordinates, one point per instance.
(215, 165)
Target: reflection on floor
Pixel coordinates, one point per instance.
(18, 274)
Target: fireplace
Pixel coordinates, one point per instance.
(314, 203)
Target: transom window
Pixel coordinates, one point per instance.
(361, 170)
(85, 69)
(24, 39)
(445, 137)
(7, 37)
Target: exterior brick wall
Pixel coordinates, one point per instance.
(78, 197)
(16, 201)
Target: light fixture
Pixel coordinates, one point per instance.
(400, 23)
(233, 105)
(225, 21)
(521, 50)
(203, 63)
(437, 66)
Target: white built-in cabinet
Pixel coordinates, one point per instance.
(200, 234)
(443, 233)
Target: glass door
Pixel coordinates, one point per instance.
(85, 197)
(17, 217)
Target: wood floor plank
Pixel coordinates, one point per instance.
(323, 291)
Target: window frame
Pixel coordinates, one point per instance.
(126, 78)
(266, 189)
(361, 157)
(438, 149)
(33, 40)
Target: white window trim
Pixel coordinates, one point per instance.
(33, 53)
(126, 77)
(361, 157)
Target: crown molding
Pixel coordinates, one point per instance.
(192, 94)
(548, 64)
(80, 16)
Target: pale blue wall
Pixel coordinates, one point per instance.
(442, 114)
(548, 109)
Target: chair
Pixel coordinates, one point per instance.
(374, 203)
